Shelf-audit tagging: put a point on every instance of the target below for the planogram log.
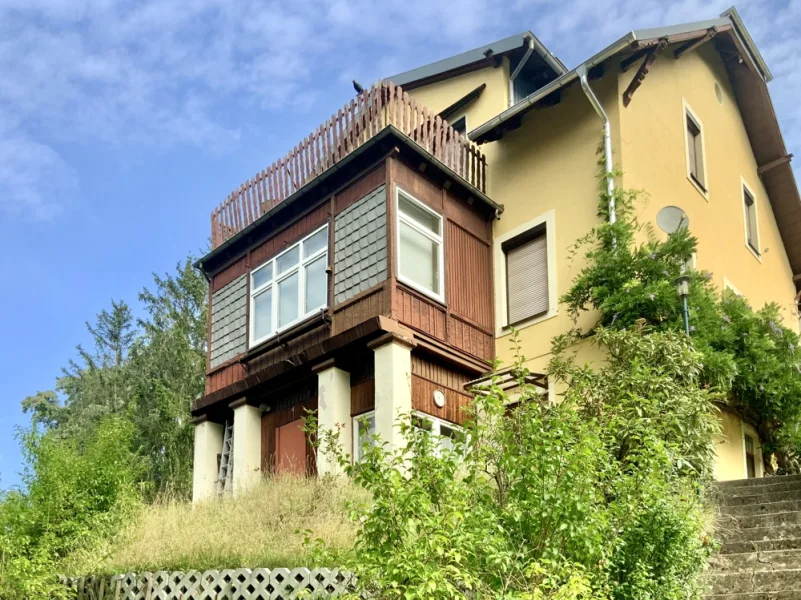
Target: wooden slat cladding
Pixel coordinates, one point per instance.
(470, 339)
(416, 311)
(290, 348)
(289, 235)
(359, 189)
(222, 278)
(428, 376)
(416, 184)
(291, 406)
(362, 397)
(469, 273)
(224, 376)
(371, 303)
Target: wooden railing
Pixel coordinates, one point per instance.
(371, 111)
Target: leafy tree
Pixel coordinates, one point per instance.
(748, 356)
(146, 371)
(75, 492)
(592, 497)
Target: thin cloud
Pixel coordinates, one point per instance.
(164, 74)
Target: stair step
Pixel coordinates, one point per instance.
(785, 595)
(759, 498)
(733, 534)
(793, 485)
(761, 508)
(760, 546)
(780, 519)
(773, 560)
(759, 581)
(757, 481)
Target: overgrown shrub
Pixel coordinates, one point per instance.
(75, 493)
(748, 355)
(596, 496)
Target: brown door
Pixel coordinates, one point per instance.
(750, 458)
(290, 448)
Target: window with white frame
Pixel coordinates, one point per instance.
(420, 247)
(695, 151)
(443, 433)
(751, 229)
(363, 434)
(290, 287)
(527, 293)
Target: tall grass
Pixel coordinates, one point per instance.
(257, 529)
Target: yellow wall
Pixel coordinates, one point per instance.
(493, 100)
(546, 170)
(653, 158)
(730, 448)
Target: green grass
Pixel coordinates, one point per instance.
(257, 529)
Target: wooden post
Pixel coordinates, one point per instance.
(119, 588)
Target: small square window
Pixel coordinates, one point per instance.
(460, 125)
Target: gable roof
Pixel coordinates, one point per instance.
(749, 78)
(475, 59)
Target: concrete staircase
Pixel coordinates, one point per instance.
(760, 526)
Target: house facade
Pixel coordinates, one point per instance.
(378, 267)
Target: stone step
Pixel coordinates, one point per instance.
(761, 508)
(794, 485)
(733, 534)
(786, 595)
(774, 560)
(780, 519)
(757, 481)
(749, 582)
(759, 498)
(760, 546)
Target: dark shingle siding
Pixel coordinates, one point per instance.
(229, 321)
(360, 248)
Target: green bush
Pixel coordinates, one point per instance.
(753, 360)
(592, 497)
(75, 493)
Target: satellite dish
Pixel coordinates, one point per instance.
(672, 219)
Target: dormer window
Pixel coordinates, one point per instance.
(290, 287)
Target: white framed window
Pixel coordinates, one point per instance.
(363, 434)
(443, 433)
(694, 144)
(420, 246)
(289, 287)
(525, 274)
(751, 220)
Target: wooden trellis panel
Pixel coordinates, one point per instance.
(230, 584)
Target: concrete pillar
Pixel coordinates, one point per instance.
(393, 387)
(207, 447)
(333, 413)
(247, 445)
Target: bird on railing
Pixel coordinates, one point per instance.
(358, 87)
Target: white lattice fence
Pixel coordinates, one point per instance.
(231, 584)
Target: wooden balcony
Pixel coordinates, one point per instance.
(383, 105)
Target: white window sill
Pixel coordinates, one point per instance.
(754, 253)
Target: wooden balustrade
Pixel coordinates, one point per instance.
(371, 111)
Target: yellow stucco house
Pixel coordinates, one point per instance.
(687, 118)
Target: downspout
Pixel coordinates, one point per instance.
(517, 70)
(610, 180)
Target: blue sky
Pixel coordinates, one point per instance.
(123, 124)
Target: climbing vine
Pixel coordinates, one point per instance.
(748, 355)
